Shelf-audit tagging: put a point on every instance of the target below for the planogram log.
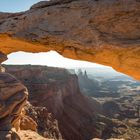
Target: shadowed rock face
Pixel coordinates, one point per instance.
(3, 57)
(103, 31)
(13, 96)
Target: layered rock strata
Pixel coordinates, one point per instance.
(55, 90)
(13, 96)
(58, 91)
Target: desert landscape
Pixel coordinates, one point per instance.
(57, 109)
(76, 103)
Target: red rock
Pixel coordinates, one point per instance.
(58, 91)
(13, 96)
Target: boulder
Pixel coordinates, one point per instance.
(27, 123)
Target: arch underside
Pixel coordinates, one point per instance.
(103, 32)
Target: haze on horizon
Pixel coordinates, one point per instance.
(51, 58)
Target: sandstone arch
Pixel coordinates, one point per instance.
(105, 32)
(101, 31)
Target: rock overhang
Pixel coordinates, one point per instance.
(105, 32)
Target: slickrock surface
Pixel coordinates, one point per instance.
(13, 96)
(101, 31)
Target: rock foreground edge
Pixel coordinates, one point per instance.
(13, 96)
(106, 32)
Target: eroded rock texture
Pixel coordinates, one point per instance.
(101, 31)
(46, 124)
(26, 122)
(13, 96)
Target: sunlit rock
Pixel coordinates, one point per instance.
(103, 31)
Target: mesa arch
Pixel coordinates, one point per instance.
(101, 31)
(106, 32)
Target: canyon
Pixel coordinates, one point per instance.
(56, 92)
(102, 31)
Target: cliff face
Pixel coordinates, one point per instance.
(58, 90)
(101, 31)
(55, 90)
(43, 122)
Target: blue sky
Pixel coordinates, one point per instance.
(16, 5)
(51, 58)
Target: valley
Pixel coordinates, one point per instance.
(110, 114)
